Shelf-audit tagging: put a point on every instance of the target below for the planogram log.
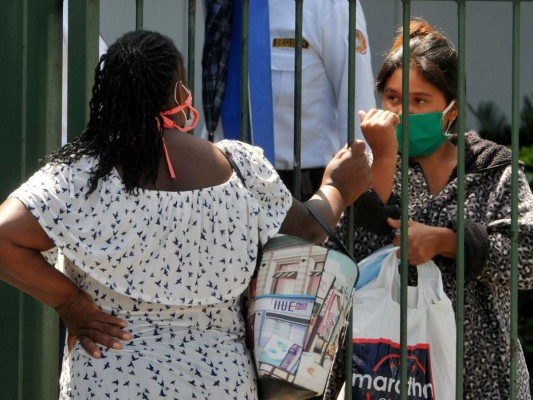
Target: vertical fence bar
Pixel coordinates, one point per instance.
(404, 199)
(13, 45)
(31, 48)
(44, 69)
(352, 7)
(351, 70)
(459, 309)
(191, 39)
(139, 14)
(514, 195)
(84, 26)
(297, 166)
(244, 70)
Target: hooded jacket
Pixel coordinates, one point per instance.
(487, 245)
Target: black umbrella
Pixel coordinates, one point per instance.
(215, 59)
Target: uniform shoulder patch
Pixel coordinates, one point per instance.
(360, 42)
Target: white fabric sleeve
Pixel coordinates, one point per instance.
(36, 192)
(272, 196)
(335, 30)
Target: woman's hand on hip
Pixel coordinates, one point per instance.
(90, 325)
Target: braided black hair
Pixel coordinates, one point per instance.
(133, 83)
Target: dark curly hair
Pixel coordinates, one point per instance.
(133, 83)
(431, 53)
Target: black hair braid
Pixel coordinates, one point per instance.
(132, 85)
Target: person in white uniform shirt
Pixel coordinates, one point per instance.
(325, 29)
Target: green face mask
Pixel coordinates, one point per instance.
(425, 132)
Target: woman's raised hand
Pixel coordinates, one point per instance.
(379, 130)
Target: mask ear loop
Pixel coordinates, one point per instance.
(176, 98)
(165, 150)
(448, 108)
(167, 157)
(446, 112)
(448, 128)
(192, 110)
(168, 123)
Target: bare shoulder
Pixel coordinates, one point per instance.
(198, 164)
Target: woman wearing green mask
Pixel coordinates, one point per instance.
(432, 208)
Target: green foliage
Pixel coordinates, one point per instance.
(492, 122)
(526, 155)
(494, 125)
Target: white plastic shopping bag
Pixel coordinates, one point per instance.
(370, 266)
(376, 336)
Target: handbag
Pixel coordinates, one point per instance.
(298, 302)
(430, 336)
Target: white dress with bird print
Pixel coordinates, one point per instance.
(172, 264)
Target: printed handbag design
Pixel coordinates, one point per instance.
(430, 336)
(299, 302)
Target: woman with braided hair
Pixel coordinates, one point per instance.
(153, 235)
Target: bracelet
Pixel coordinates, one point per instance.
(70, 300)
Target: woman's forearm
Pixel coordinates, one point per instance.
(28, 271)
(347, 177)
(446, 240)
(383, 177)
(22, 265)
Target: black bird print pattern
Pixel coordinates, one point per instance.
(173, 264)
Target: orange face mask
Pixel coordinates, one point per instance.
(190, 121)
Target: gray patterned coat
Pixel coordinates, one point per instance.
(487, 257)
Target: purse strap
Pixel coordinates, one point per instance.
(330, 232)
(230, 159)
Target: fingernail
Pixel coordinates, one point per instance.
(126, 336)
(117, 345)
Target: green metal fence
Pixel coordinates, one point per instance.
(30, 127)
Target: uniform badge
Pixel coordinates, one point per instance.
(360, 42)
(289, 42)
